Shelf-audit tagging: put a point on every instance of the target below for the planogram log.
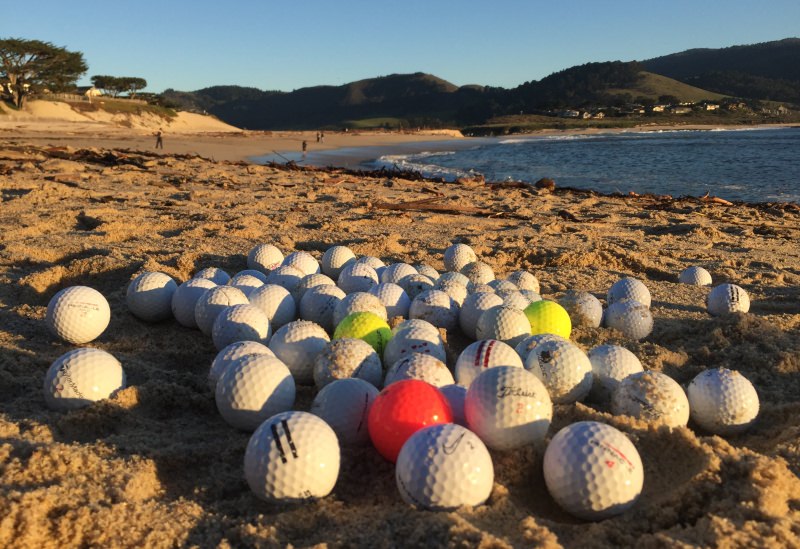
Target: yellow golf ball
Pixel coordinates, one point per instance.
(366, 326)
(548, 317)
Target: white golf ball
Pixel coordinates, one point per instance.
(593, 471)
(478, 272)
(347, 358)
(78, 314)
(319, 303)
(722, 401)
(246, 283)
(478, 356)
(584, 309)
(302, 261)
(149, 296)
(610, 365)
(436, 307)
(456, 395)
(629, 288)
(344, 405)
(501, 285)
(276, 302)
(514, 299)
(357, 277)
(444, 467)
(80, 377)
(335, 258)
(524, 347)
(292, 456)
(312, 281)
(452, 288)
(414, 339)
(428, 271)
(248, 272)
(212, 302)
(287, 277)
(214, 274)
(229, 354)
(455, 277)
(415, 284)
(420, 366)
(727, 298)
(506, 324)
(696, 276)
(297, 344)
(394, 298)
(264, 258)
(373, 262)
(240, 323)
(185, 298)
(508, 407)
(472, 308)
(653, 397)
(419, 324)
(632, 318)
(563, 368)
(524, 280)
(395, 272)
(359, 302)
(458, 256)
(253, 388)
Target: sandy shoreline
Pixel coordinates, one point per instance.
(156, 465)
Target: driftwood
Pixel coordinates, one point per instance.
(715, 200)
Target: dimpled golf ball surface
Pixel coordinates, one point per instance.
(652, 397)
(78, 314)
(212, 302)
(252, 389)
(229, 354)
(474, 305)
(344, 405)
(629, 288)
(505, 324)
(400, 410)
(214, 274)
(456, 395)
(358, 302)
(478, 272)
(592, 470)
(696, 276)
(366, 326)
(481, 355)
(723, 401)
(185, 299)
(443, 467)
(564, 368)
(394, 299)
(436, 307)
(396, 272)
(318, 305)
(610, 365)
(419, 366)
(728, 298)
(357, 277)
(149, 296)
(632, 318)
(302, 261)
(240, 323)
(347, 358)
(508, 408)
(584, 309)
(524, 281)
(423, 339)
(548, 317)
(80, 377)
(297, 344)
(264, 258)
(335, 258)
(293, 456)
(458, 256)
(277, 302)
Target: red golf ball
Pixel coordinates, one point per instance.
(402, 409)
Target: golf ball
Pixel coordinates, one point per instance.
(423, 339)
(357, 277)
(394, 299)
(456, 395)
(458, 256)
(610, 365)
(629, 288)
(728, 298)
(359, 302)
(478, 272)
(563, 368)
(335, 258)
(149, 296)
(264, 258)
(302, 261)
(214, 274)
(584, 309)
(472, 308)
(297, 344)
(395, 272)
(593, 471)
(505, 324)
(212, 302)
(723, 401)
(78, 314)
(524, 281)
(312, 281)
(347, 358)
(444, 467)
(80, 377)
(653, 397)
(185, 299)
(696, 276)
(548, 317)
(415, 284)
(276, 302)
(229, 354)
(319, 303)
(419, 366)
(292, 456)
(344, 405)
(632, 318)
(240, 323)
(478, 356)
(436, 307)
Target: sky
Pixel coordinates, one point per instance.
(291, 44)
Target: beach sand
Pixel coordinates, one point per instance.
(157, 466)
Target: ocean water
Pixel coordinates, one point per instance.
(753, 165)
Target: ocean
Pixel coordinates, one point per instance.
(752, 165)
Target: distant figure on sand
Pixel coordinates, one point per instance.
(305, 147)
(322, 137)
(159, 140)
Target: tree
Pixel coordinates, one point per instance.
(29, 66)
(132, 84)
(114, 85)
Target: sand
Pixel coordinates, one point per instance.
(157, 466)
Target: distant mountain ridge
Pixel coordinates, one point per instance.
(768, 71)
(765, 71)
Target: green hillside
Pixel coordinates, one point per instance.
(654, 86)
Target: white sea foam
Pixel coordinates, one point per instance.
(414, 162)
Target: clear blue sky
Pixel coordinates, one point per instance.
(271, 45)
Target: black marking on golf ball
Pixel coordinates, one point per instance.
(364, 411)
(449, 449)
(276, 437)
(68, 379)
(546, 356)
(506, 391)
(289, 437)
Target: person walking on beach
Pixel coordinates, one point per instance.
(305, 147)
(159, 140)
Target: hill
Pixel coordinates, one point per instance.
(765, 71)
(653, 86)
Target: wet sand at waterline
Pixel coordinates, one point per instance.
(157, 466)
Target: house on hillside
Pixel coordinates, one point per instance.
(658, 108)
(709, 106)
(679, 110)
(781, 110)
(569, 114)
